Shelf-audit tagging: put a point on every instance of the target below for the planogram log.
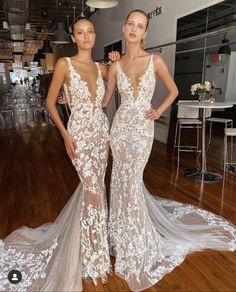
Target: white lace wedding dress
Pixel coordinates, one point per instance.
(55, 256)
(150, 236)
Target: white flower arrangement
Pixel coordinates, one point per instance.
(201, 88)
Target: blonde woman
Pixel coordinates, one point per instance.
(149, 236)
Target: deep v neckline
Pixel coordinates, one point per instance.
(92, 100)
(131, 87)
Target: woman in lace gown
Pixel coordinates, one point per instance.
(55, 256)
(149, 236)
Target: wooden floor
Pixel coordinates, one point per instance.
(37, 179)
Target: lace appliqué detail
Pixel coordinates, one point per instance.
(179, 211)
(32, 266)
(89, 127)
(97, 260)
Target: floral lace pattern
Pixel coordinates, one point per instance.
(150, 237)
(32, 265)
(89, 126)
(179, 211)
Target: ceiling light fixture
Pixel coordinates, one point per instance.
(40, 54)
(102, 3)
(60, 35)
(74, 12)
(47, 49)
(82, 12)
(225, 48)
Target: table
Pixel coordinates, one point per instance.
(202, 174)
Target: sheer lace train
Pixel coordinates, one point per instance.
(46, 258)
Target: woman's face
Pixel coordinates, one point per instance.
(84, 35)
(135, 27)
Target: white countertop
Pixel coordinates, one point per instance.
(206, 104)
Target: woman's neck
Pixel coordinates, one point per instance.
(133, 51)
(83, 56)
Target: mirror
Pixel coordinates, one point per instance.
(199, 42)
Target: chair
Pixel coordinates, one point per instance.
(187, 118)
(229, 132)
(226, 122)
(7, 119)
(1, 122)
(40, 114)
(23, 116)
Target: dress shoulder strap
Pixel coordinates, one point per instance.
(99, 69)
(98, 66)
(69, 62)
(151, 64)
(151, 60)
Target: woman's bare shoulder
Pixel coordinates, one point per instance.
(158, 61)
(157, 58)
(62, 61)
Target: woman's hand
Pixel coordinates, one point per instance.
(114, 56)
(152, 114)
(70, 145)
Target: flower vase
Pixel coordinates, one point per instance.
(212, 99)
(202, 96)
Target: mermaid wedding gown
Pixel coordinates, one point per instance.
(150, 236)
(55, 256)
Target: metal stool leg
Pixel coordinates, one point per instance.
(198, 137)
(179, 145)
(225, 153)
(176, 130)
(210, 133)
(231, 144)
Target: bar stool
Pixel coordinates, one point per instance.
(226, 122)
(187, 118)
(229, 132)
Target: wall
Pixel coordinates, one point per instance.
(162, 29)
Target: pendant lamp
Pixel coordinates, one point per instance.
(60, 35)
(47, 49)
(225, 48)
(102, 3)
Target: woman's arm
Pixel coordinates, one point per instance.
(162, 72)
(111, 85)
(113, 56)
(56, 83)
